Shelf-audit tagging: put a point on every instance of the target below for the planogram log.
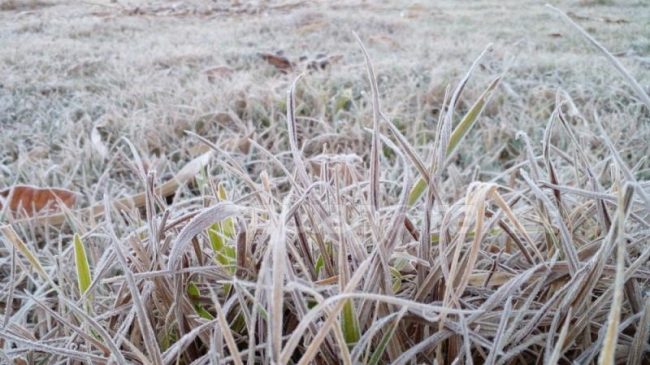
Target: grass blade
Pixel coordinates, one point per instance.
(461, 130)
(350, 324)
(84, 277)
(376, 144)
(607, 355)
(13, 238)
(381, 347)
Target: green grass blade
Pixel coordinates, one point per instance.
(350, 324)
(320, 263)
(458, 134)
(381, 347)
(416, 191)
(84, 277)
(470, 118)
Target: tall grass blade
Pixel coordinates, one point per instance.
(376, 144)
(461, 130)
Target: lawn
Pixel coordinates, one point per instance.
(279, 182)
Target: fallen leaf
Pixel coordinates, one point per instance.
(278, 61)
(218, 72)
(138, 200)
(33, 200)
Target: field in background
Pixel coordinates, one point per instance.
(102, 98)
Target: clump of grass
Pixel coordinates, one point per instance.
(348, 257)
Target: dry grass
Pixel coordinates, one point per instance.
(376, 213)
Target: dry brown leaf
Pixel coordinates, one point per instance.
(33, 200)
(217, 72)
(280, 62)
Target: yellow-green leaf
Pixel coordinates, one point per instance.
(83, 268)
(194, 294)
(350, 324)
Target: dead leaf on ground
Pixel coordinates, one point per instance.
(218, 72)
(33, 200)
(278, 61)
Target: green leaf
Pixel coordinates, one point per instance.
(218, 243)
(397, 279)
(202, 312)
(320, 262)
(194, 294)
(350, 324)
(83, 268)
(193, 291)
(228, 225)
